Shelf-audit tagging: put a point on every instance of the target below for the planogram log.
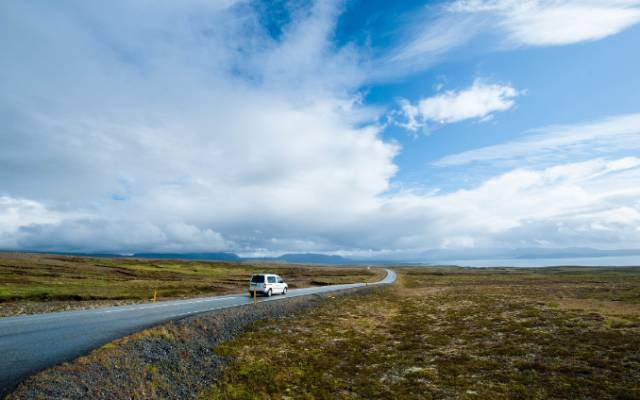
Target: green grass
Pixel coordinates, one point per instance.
(54, 278)
(452, 333)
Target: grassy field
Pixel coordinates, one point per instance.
(564, 333)
(40, 282)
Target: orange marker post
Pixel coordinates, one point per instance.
(255, 296)
(155, 295)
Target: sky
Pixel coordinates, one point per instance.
(364, 128)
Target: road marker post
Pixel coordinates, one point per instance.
(255, 296)
(155, 295)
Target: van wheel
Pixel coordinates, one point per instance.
(284, 291)
(269, 293)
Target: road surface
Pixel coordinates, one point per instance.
(31, 343)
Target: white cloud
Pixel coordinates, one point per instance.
(118, 235)
(592, 203)
(16, 213)
(555, 22)
(479, 101)
(433, 37)
(28, 224)
(509, 23)
(611, 135)
(187, 128)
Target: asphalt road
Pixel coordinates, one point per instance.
(31, 343)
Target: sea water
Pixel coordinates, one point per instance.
(621, 261)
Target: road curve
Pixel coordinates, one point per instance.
(31, 343)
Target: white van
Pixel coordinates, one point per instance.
(267, 284)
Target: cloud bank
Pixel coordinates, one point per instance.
(191, 127)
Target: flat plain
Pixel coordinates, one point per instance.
(31, 283)
(437, 333)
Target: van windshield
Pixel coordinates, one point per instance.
(257, 279)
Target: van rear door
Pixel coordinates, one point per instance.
(257, 283)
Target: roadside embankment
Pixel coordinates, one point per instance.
(175, 360)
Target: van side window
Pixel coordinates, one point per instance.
(271, 279)
(280, 280)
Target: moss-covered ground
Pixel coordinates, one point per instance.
(563, 333)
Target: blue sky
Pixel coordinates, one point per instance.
(564, 85)
(579, 82)
(362, 128)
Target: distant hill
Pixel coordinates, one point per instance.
(313, 258)
(191, 256)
